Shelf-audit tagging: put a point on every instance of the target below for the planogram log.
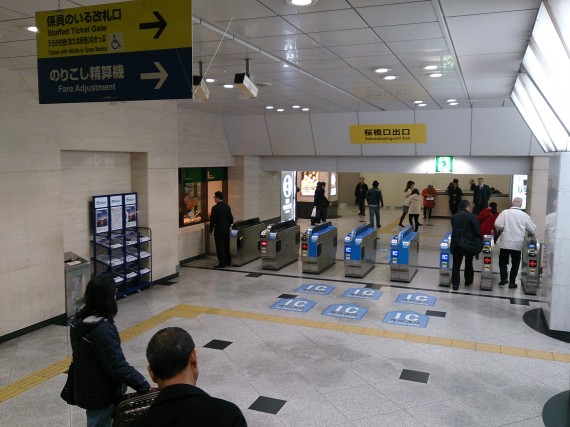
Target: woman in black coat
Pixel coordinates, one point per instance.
(100, 370)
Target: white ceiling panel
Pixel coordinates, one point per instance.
(490, 88)
(396, 33)
(345, 37)
(282, 8)
(260, 27)
(490, 65)
(288, 42)
(326, 21)
(222, 10)
(418, 46)
(470, 7)
(371, 49)
(363, 3)
(398, 14)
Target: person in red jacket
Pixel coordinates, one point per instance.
(486, 219)
(429, 194)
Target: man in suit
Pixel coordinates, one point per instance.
(360, 195)
(481, 196)
(221, 219)
(173, 365)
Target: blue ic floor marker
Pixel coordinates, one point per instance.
(406, 318)
(318, 289)
(416, 299)
(363, 293)
(300, 305)
(347, 311)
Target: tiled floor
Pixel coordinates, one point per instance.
(476, 363)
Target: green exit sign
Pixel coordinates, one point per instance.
(444, 164)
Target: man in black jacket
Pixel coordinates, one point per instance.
(360, 195)
(173, 365)
(221, 219)
(464, 224)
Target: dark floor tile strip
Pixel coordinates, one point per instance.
(268, 405)
(416, 376)
(218, 344)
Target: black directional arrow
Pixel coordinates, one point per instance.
(160, 24)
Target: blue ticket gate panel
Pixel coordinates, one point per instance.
(318, 247)
(487, 263)
(279, 244)
(244, 241)
(445, 261)
(531, 265)
(404, 254)
(360, 251)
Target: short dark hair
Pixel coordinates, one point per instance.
(455, 180)
(464, 204)
(219, 195)
(375, 184)
(99, 298)
(168, 352)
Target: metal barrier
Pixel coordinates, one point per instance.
(445, 261)
(404, 255)
(360, 251)
(487, 263)
(318, 247)
(531, 261)
(279, 244)
(244, 241)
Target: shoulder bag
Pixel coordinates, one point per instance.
(67, 393)
(470, 246)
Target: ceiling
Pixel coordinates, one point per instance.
(323, 57)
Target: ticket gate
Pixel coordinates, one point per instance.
(404, 254)
(318, 247)
(279, 244)
(244, 241)
(531, 261)
(445, 261)
(487, 263)
(360, 251)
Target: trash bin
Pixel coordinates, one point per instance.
(76, 277)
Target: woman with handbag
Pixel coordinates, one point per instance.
(466, 241)
(99, 368)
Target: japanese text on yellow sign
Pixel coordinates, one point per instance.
(131, 26)
(388, 134)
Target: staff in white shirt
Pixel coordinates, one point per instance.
(513, 225)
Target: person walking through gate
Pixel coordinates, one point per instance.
(486, 220)
(455, 194)
(481, 196)
(464, 224)
(221, 219)
(514, 225)
(406, 204)
(415, 208)
(375, 200)
(360, 195)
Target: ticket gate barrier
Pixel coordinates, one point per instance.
(279, 244)
(531, 262)
(318, 247)
(445, 261)
(404, 254)
(360, 251)
(487, 263)
(244, 241)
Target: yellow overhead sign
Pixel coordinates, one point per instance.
(131, 26)
(388, 134)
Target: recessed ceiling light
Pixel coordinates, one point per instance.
(431, 67)
(269, 107)
(418, 102)
(390, 77)
(305, 109)
(381, 70)
(423, 104)
(228, 86)
(280, 110)
(210, 80)
(454, 103)
(295, 106)
(31, 28)
(301, 2)
(451, 100)
(436, 75)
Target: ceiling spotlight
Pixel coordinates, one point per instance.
(390, 77)
(301, 2)
(451, 100)
(454, 103)
(435, 75)
(269, 107)
(305, 109)
(229, 86)
(423, 104)
(431, 67)
(280, 110)
(210, 80)
(295, 106)
(381, 70)
(418, 102)
(31, 28)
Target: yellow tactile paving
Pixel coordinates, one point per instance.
(189, 311)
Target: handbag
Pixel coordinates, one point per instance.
(133, 406)
(67, 392)
(468, 246)
(314, 212)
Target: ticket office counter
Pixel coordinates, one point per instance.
(441, 209)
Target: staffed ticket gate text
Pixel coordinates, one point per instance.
(279, 244)
(360, 251)
(318, 248)
(244, 241)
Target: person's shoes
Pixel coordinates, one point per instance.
(424, 217)
(401, 225)
(419, 225)
(468, 284)
(455, 287)
(512, 285)
(378, 226)
(502, 283)
(361, 213)
(219, 266)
